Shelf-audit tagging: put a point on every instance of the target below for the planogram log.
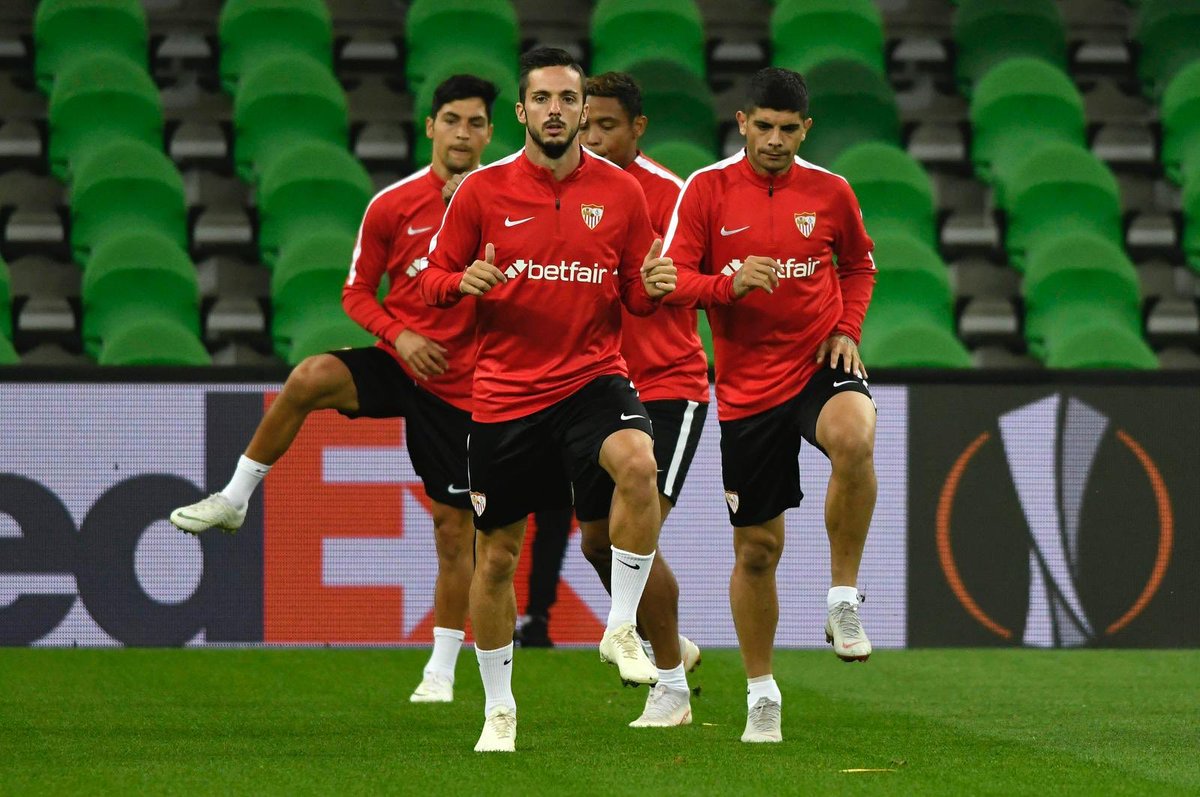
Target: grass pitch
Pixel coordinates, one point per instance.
(339, 721)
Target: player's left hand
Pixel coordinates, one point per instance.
(451, 185)
(658, 272)
(841, 349)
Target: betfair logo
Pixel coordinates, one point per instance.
(417, 266)
(788, 269)
(562, 271)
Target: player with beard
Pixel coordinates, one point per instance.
(552, 241)
(421, 368)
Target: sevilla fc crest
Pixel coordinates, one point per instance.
(733, 500)
(479, 502)
(591, 215)
(805, 223)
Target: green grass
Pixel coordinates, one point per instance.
(339, 721)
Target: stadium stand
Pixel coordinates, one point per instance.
(973, 92)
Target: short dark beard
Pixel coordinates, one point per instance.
(553, 151)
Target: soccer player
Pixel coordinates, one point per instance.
(775, 248)
(421, 368)
(553, 241)
(667, 365)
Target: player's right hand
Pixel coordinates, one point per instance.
(756, 272)
(482, 275)
(426, 358)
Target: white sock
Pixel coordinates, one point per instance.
(646, 646)
(840, 594)
(446, 643)
(495, 667)
(246, 477)
(674, 678)
(629, 574)
(760, 687)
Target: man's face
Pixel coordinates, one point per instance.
(553, 108)
(609, 132)
(772, 137)
(459, 133)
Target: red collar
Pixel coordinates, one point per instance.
(545, 175)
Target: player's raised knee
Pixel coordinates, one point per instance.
(850, 443)
(315, 378)
(496, 558)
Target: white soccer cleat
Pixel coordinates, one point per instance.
(434, 688)
(844, 630)
(690, 652)
(499, 732)
(214, 511)
(665, 708)
(763, 722)
(623, 647)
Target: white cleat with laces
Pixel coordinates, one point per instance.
(690, 652)
(214, 511)
(434, 688)
(665, 708)
(764, 721)
(844, 630)
(499, 732)
(622, 646)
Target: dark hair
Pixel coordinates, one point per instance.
(777, 89)
(620, 85)
(542, 57)
(464, 87)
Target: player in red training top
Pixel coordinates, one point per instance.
(667, 365)
(559, 239)
(421, 369)
(756, 237)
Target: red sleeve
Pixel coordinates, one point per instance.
(685, 244)
(368, 264)
(452, 248)
(638, 238)
(856, 267)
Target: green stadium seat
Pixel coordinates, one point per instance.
(706, 337)
(1059, 189)
(508, 135)
(155, 341)
(280, 102)
(96, 99)
(134, 277)
(850, 103)
(681, 157)
(5, 301)
(913, 344)
(1077, 281)
(324, 332)
(1191, 217)
(254, 30)
(124, 186)
(306, 284)
(987, 32)
(1180, 115)
(8, 354)
(311, 187)
(805, 33)
(1017, 105)
(484, 28)
(627, 31)
(64, 30)
(678, 103)
(1168, 37)
(1095, 345)
(893, 190)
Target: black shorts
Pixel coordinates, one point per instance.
(677, 427)
(760, 463)
(528, 464)
(435, 431)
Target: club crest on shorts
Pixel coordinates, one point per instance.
(479, 501)
(805, 223)
(591, 215)
(731, 498)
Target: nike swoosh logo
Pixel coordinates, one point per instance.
(510, 223)
(631, 567)
(457, 490)
(625, 417)
(418, 230)
(846, 382)
(508, 661)
(726, 233)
